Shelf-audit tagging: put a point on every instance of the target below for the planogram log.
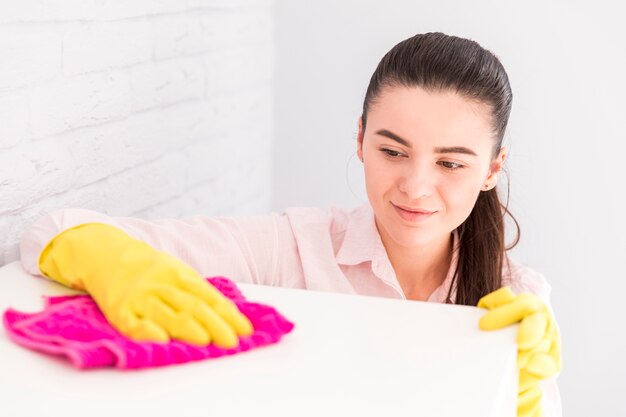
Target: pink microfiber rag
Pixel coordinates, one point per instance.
(74, 327)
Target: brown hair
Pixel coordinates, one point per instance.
(437, 62)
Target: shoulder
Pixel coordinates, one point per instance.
(522, 278)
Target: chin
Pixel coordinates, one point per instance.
(408, 236)
(415, 239)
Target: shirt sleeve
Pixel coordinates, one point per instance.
(248, 249)
(524, 279)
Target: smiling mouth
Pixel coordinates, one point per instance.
(415, 210)
(413, 215)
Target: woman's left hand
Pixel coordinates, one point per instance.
(538, 341)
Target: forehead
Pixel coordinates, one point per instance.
(442, 117)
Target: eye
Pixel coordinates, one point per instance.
(451, 165)
(391, 153)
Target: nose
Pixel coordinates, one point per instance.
(417, 181)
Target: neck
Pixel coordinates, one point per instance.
(419, 269)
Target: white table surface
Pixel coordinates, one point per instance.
(347, 355)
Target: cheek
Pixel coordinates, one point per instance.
(377, 178)
(460, 194)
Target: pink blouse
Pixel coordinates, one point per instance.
(336, 250)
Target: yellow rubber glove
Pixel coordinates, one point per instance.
(538, 341)
(144, 293)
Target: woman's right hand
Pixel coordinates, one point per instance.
(144, 293)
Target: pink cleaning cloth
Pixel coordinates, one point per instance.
(75, 328)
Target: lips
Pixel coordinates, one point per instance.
(412, 214)
(415, 210)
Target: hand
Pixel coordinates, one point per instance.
(144, 293)
(538, 341)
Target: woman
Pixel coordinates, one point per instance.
(430, 140)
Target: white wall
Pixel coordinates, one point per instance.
(566, 62)
(151, 108)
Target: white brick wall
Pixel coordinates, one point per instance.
(148, 108)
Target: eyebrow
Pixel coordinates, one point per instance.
(449, 149)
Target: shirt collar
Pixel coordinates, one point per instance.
(362, 243)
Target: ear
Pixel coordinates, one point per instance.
(359, 139)
(494, 169)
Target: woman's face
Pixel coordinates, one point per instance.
(426, 152)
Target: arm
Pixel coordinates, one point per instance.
(243, 249)
(146, 277)
(146, 294)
